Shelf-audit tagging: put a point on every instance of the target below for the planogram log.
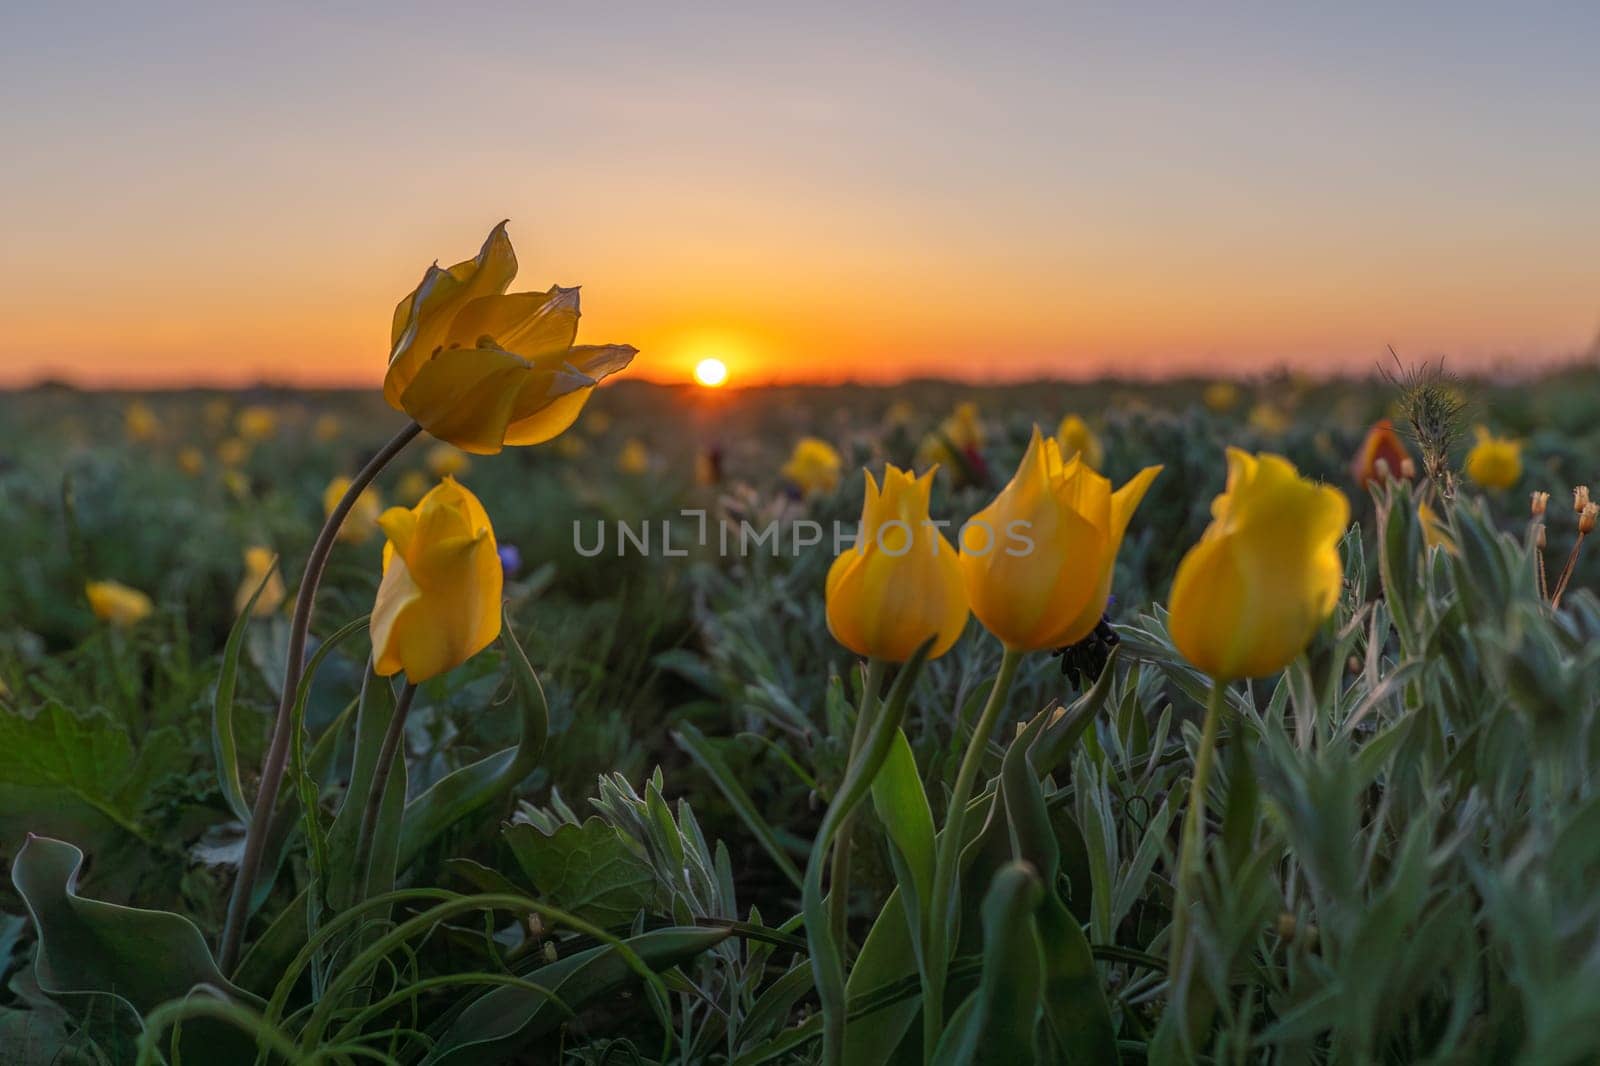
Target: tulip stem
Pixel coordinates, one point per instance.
(272, 765)
(380, 783)
(1192, 844)
(946, 876)
(839, 871)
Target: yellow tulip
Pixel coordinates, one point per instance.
(1038, 560)
(117, 603)
(259, 565)
(362, 521)
(634, 458)
(963, 432)
(1269, 420)
(191, 461)
(482, 368)
(141, 422)
(1076, 438)
(326, 428)
(446, 461)
(900, 584)
(1382, 457)
(256, 422)
(813, 467)
(1221, 396)
(1494, 462)
(1435, 532)
(1250, 595)
(438, 604)
(413, 485)
(233, 452)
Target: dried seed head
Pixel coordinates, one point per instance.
(1539, 538)
(1586, 521)
(1580, 498)
(1380, 466)
(1408, 468)
(1434, 409)
(1541, 500)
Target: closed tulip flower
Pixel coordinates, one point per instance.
(362, 521)
(482, 368)
(813, 467)
(438, 604)
(900, 583)
(1494, 462)
(1076, 438)
(117, 603)
(1266, 573)
(259, 566)
(1037, 562)
(1381, 457)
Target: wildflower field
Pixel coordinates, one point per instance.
(594, 729)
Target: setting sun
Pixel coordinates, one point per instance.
(711, 372)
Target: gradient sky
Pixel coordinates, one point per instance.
(809, 191)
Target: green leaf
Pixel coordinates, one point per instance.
(57, 763)
(902, 805)
(224, 744)
(460, 793)
(500, 1024)
(701, 750)
(588, 870)
(999, 1021)
(90, 950)
(376, 709)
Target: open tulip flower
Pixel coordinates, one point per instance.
(482, 368)
(813, 467)
(900, 583)
(1038, 560)
(1265, 574)
(438, 604)
(1494, 462)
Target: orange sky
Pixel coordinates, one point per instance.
(230, 197)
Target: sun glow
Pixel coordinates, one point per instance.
(711, 372)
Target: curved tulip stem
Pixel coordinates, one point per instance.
(946, 874)
(272, 765)
(839, 871)
(380, 783)
(1192, 845)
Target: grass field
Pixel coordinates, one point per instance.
(1397, 846)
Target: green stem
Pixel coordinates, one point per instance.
(380, 783)
(839, 871)
(946, 891)
(255, 841)
(1192, 845)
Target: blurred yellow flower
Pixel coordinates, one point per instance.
(483, 368)
(412, 486)
(1221, 396)
(260, 564)
(117, 603)
(1381, 457)
(813, 467)
(900, 583)
(438, 604)
(1038, 561)
(141, 422)
(598, 424)
(570, 447)
(1268, 420)
(1494, 462)
(961, 431)
(362, 521)
(1435, 533)
(236, 483)
(1076, 438)
(217, 411)
(233, 452)
(1250, 595)
(899, 413)
(446, 461)
(256, 422)
(191, 461)
(634, 457)
(326, 428)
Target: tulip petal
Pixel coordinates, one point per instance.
(530, 324)
(467, 396)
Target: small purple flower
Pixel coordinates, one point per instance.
(510, 559)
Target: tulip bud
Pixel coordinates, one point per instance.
(1381, 454)
(1077, 439)
(1038, 560)
(900, 583)
(1266, 573)
(439, 601)
(1538, 502)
